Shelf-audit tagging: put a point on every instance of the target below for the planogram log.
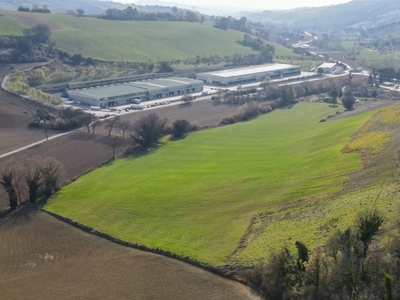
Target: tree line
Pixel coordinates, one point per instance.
(66, 119)
(35, 9)
(130, 13)
(349, 266)
(35, 176)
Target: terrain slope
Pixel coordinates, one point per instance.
(136, 40)
(197, 196)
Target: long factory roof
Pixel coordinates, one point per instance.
(250, 70)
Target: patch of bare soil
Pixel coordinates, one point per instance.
(44, 258)
(203, 113)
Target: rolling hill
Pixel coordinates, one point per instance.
(135, 40)
(354, 14)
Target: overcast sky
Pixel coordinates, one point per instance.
(252, 4)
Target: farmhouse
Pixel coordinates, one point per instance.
(122, 93)
(249, 74)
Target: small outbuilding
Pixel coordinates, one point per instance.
(327, 67)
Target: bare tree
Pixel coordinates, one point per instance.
(86, 119)
(147, 130)
(51, 171)
(7, 181)
(95, 124)
(45, 128)
(33, 177)
(123, 126)
(111, 123)
(114, 142)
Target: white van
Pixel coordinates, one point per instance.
(136, 101)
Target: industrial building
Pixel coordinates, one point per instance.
(249, 74)
(122, 93)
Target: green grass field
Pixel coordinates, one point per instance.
(8, 26)
(137, 40)
(197, 196)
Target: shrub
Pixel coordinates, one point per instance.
(348, 101)
(265, 108)
(228, 120)
(248, 111)
(180, 128)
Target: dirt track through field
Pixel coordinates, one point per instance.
(44, 258)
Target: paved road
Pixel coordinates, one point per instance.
(34, 144)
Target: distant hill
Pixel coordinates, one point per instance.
(60, 6)
(91, 7)
(132, 40)
(354, 14)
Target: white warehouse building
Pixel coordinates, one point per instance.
(122, 93)
(248, 75)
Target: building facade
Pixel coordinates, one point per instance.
(249, 74)
(123, 93)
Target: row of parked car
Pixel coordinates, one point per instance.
(156, 104)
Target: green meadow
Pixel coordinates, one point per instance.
(9, 26)
(196, 196)
(138, 40)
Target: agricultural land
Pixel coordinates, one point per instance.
(44, 258)
(197, 196)
(135, 40)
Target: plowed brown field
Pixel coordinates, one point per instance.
(44, 258)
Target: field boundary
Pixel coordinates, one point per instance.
(186, 259)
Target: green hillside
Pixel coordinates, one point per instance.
(137, 40)
(8, 26)
(197, 196)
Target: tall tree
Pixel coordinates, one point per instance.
(334, 95)
(147, 130)
(96, 123)
(111, 123)
(123, 126)
(348, 101)
(80, 12)
(114, 142)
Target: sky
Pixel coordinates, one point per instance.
(249, 4)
